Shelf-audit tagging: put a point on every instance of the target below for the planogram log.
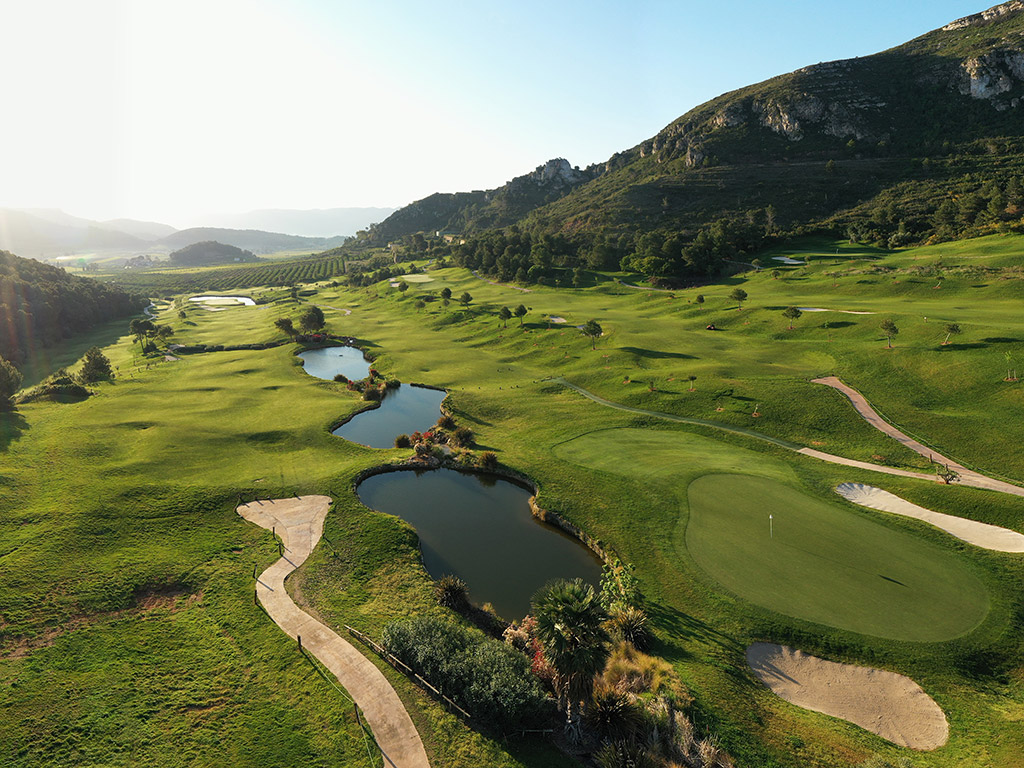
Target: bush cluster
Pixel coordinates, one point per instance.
(487, 678)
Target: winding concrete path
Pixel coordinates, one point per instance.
(967, 476)
(299, 522)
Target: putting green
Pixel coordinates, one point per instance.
(827, 565)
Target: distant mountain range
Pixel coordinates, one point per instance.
(47, 233)
(925, 139)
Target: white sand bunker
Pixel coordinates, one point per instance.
(788, 260)
(889, 705)
(841, 311)
(417, 279)
(557, 320)
(979, 534)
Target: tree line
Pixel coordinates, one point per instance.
(41, 305)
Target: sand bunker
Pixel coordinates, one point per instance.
(557, 320)
(787, 260)
(889, 705)
(841, 311)
(417, 279)
(979, 534)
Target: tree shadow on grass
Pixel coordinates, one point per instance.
(690, 627)
(12, 424)
(838, 324)
(1000, 340)
(967, 345)
(656, 354)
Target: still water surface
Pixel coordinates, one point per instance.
(480, 529)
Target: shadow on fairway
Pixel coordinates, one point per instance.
(656, 354)
(12, 424)
(686, 626)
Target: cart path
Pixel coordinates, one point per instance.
(967, 476)
(299, 523)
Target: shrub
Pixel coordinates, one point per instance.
(341, 378)
(452, 592)
(371, 394)
(60, 385)
(630, 624)
(485, 677)
(423, 450)
(392, 384)
(488, 460)
(462, 437)
(10, 381)
(446, 422)
(403, 441)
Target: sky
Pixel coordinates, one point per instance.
(176, 111)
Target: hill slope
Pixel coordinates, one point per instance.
(464, 212)
(952, 97)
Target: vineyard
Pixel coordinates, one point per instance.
(229, 278)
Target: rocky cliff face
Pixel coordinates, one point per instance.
(992, 14)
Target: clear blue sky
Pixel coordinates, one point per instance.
(173, 111)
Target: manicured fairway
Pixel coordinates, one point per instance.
(827, 565)
(657, 455)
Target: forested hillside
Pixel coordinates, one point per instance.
(40, 305)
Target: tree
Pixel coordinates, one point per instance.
(10, 382)
(570, 628)
(700, 301)
(952, 329)
(446, 293)
(285, 325)
(889, 329)
(403, 287)
(141, 329)
(520, 313)
(791, 314)
(504, 313)
(592, 329)
(739, 296)
(691, 378)
(95, 366)
(775, 274)
(948, 475)
(465, 299)
(312, 320)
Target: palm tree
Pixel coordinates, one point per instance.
(570, 628)
(952, 329)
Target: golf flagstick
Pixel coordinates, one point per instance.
(771, 526)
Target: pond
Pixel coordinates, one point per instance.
(224, 301)
(328, 362)
(404, 410)
(480, 529)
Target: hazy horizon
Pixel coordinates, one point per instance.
(174, 114)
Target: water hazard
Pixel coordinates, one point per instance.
(480, 529)
(403, 410)
(328, 362)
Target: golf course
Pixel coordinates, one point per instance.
(130, 577)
